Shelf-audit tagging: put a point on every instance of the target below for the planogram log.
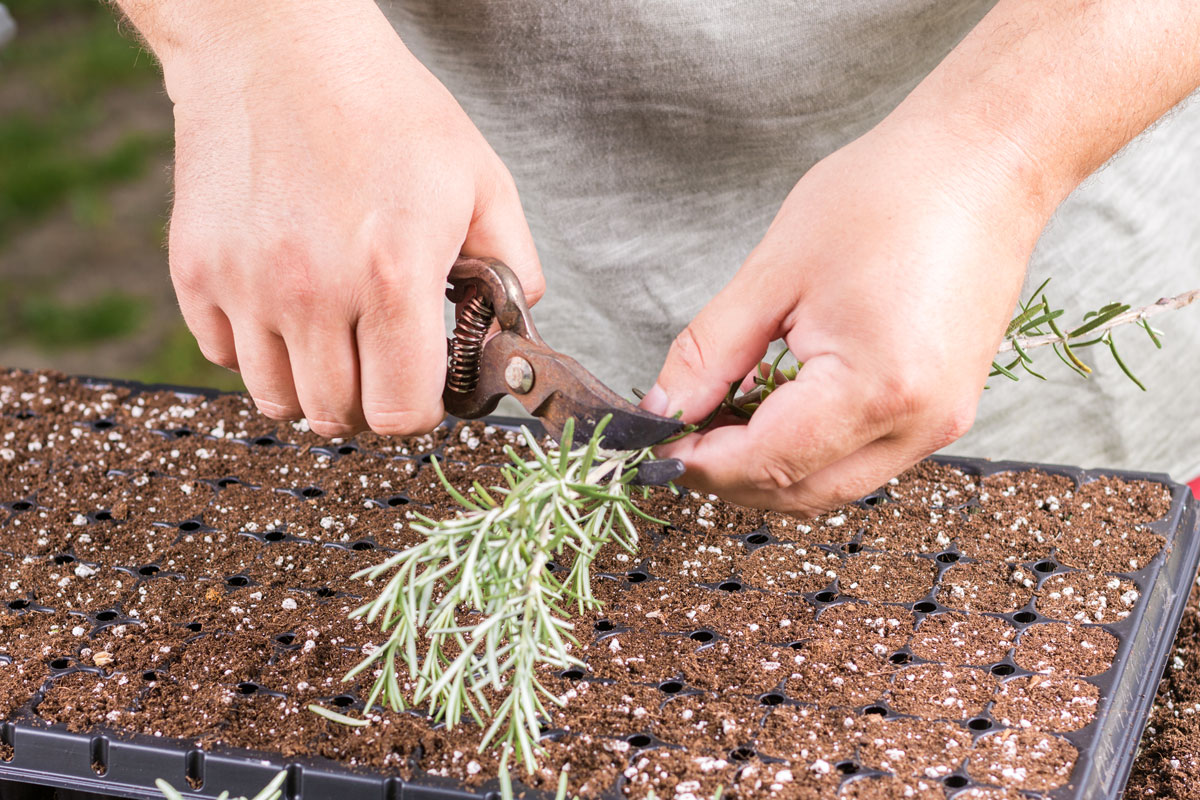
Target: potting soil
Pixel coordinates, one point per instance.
(180, 567)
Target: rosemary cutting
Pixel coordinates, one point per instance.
(474, 612)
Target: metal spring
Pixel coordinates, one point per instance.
(466, 345)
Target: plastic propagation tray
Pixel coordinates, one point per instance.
(47, 760)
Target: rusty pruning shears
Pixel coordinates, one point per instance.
(551, 386)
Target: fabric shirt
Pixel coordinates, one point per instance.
(652, 141)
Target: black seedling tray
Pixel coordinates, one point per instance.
(47, 758)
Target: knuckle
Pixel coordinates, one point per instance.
(219, 356)
(404, 423)
(954, 424)
(331, 427)
(774, 472)
(688, 350)
(274, 409)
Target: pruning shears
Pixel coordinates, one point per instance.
(550, 385)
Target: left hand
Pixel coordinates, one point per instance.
(891, 272)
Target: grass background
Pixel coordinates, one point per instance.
(85, 149)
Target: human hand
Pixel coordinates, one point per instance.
(325, 182)
(891, 272)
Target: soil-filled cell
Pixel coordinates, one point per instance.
(1060, 649)
(986, 586)
(1087, 597)
(958, 639)
(1023, 759)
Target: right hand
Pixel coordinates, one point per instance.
(325, 182)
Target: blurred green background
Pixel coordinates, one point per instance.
(85, 155)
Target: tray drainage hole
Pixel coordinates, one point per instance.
(17, 605)
(21, 505)
(1003, 669)
(25, 414)
(194, 769)
(343, 700)
(362, 546)
(325, 591)
(670, 687)
(346, 449)
(925, 607)
(602, 625)
(847, 767)
(1045, 566)
(899, 658)
(103, 424)
(397, 500)
(237, 580)
(826, 596)
(638, 740)
(1025, 617)
(274, 536)
(149, 570)
(64, 558)
(246, 687)
(189, 526)
(225, 483)
(878, 711)
(757, 538)
(955, 781)
(194, 627)
(264, 441)
(730, 586)
(701, 636)
(797, 645)
(285, 639)
(852, 547)
(636, 577)
(99, 755)
(107, 615)
(181, 433)
(742, 753)
(310, 492)
(948, 558)
(102, 516)
(60, 663)
(980, 724)
(571, 674)
(771, 699)
(150, 676)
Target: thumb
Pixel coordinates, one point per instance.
(721, 345)
(499, 230)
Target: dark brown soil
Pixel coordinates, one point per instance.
(182, 568)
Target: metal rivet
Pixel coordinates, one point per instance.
(518, 374)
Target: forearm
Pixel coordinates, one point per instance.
(1048, 90)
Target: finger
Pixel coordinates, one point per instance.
(499, 230)
(806, 424)
(214, 335)
(266, 370)
(721, 345)
(402, 352)
(325, 371)
(855, 476)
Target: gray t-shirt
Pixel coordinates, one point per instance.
(652, 142)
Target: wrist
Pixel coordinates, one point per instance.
(988, 167)
(219, 47)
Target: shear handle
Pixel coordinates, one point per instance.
(498, 284)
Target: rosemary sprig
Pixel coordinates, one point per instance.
(472, 613)
(1036, 325)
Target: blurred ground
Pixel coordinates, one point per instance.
(85, 154)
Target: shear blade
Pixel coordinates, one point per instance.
(658, 472)
(629, 429)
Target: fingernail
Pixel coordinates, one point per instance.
(656, 401)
